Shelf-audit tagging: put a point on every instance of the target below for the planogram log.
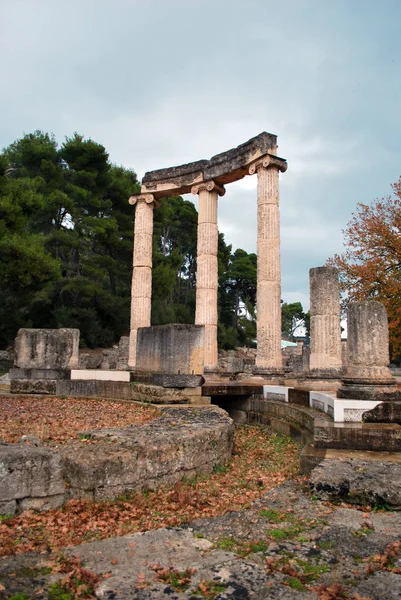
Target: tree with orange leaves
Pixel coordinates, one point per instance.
(370, 267)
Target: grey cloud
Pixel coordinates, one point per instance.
(163, 82)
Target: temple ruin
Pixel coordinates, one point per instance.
(207, 178)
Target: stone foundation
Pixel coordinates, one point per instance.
(30, 477)
(181, 443)
(137, 392)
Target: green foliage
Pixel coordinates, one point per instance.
(295, 584)
(292, 318)
(65, 238)
(382, 506)
(174, 262)
(219, 468)
(59, 592)
(272, 515)
(209, 589)
(237, 297)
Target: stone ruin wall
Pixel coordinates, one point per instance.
(181, 443)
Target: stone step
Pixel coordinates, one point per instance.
(311, 457)
(377, 437)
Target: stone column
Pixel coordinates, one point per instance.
(207, 268)
(268, 303)
(367, 376)
(141, 291)
(325, 329)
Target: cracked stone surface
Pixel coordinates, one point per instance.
(245, 555)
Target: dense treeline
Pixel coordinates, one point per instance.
(66, 239)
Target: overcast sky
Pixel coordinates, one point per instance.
(164, 82)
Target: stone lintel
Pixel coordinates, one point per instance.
(222, 168)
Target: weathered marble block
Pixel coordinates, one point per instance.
(175, 349)
(47, 349)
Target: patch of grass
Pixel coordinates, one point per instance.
(31, 572)
(241, 547)
(220, 468)
(295, 584)
(326, 545)
(178, 580)
(311, 571)
(364, 531)
(226, 543)
(210, 589)
(382, 507)
(20, 596)
(300, 573)
(4, 518)
(273, 515)
(285, 532)
(59, 592)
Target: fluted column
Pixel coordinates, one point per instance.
(367, 375)
(207, 268)
(141, 291)
(325, 344)
(268, 301)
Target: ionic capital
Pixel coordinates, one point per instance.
(266, 162)
(148, 198)
(210, 186)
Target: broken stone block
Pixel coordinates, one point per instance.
(47, 349)
(387, 412)
(30, 476)
(358, 482)
(175, 349)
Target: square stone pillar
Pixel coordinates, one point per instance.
(141, 291)
(268, 303)
(207, 268)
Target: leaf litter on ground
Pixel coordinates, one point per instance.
(261, 461)
(57, 420)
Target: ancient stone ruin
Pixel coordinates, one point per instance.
(42, 357)
(180, 364)
(178, 444)
(207, 178)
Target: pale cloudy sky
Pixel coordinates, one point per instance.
(163, 82)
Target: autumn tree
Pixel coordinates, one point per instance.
(370, 267)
